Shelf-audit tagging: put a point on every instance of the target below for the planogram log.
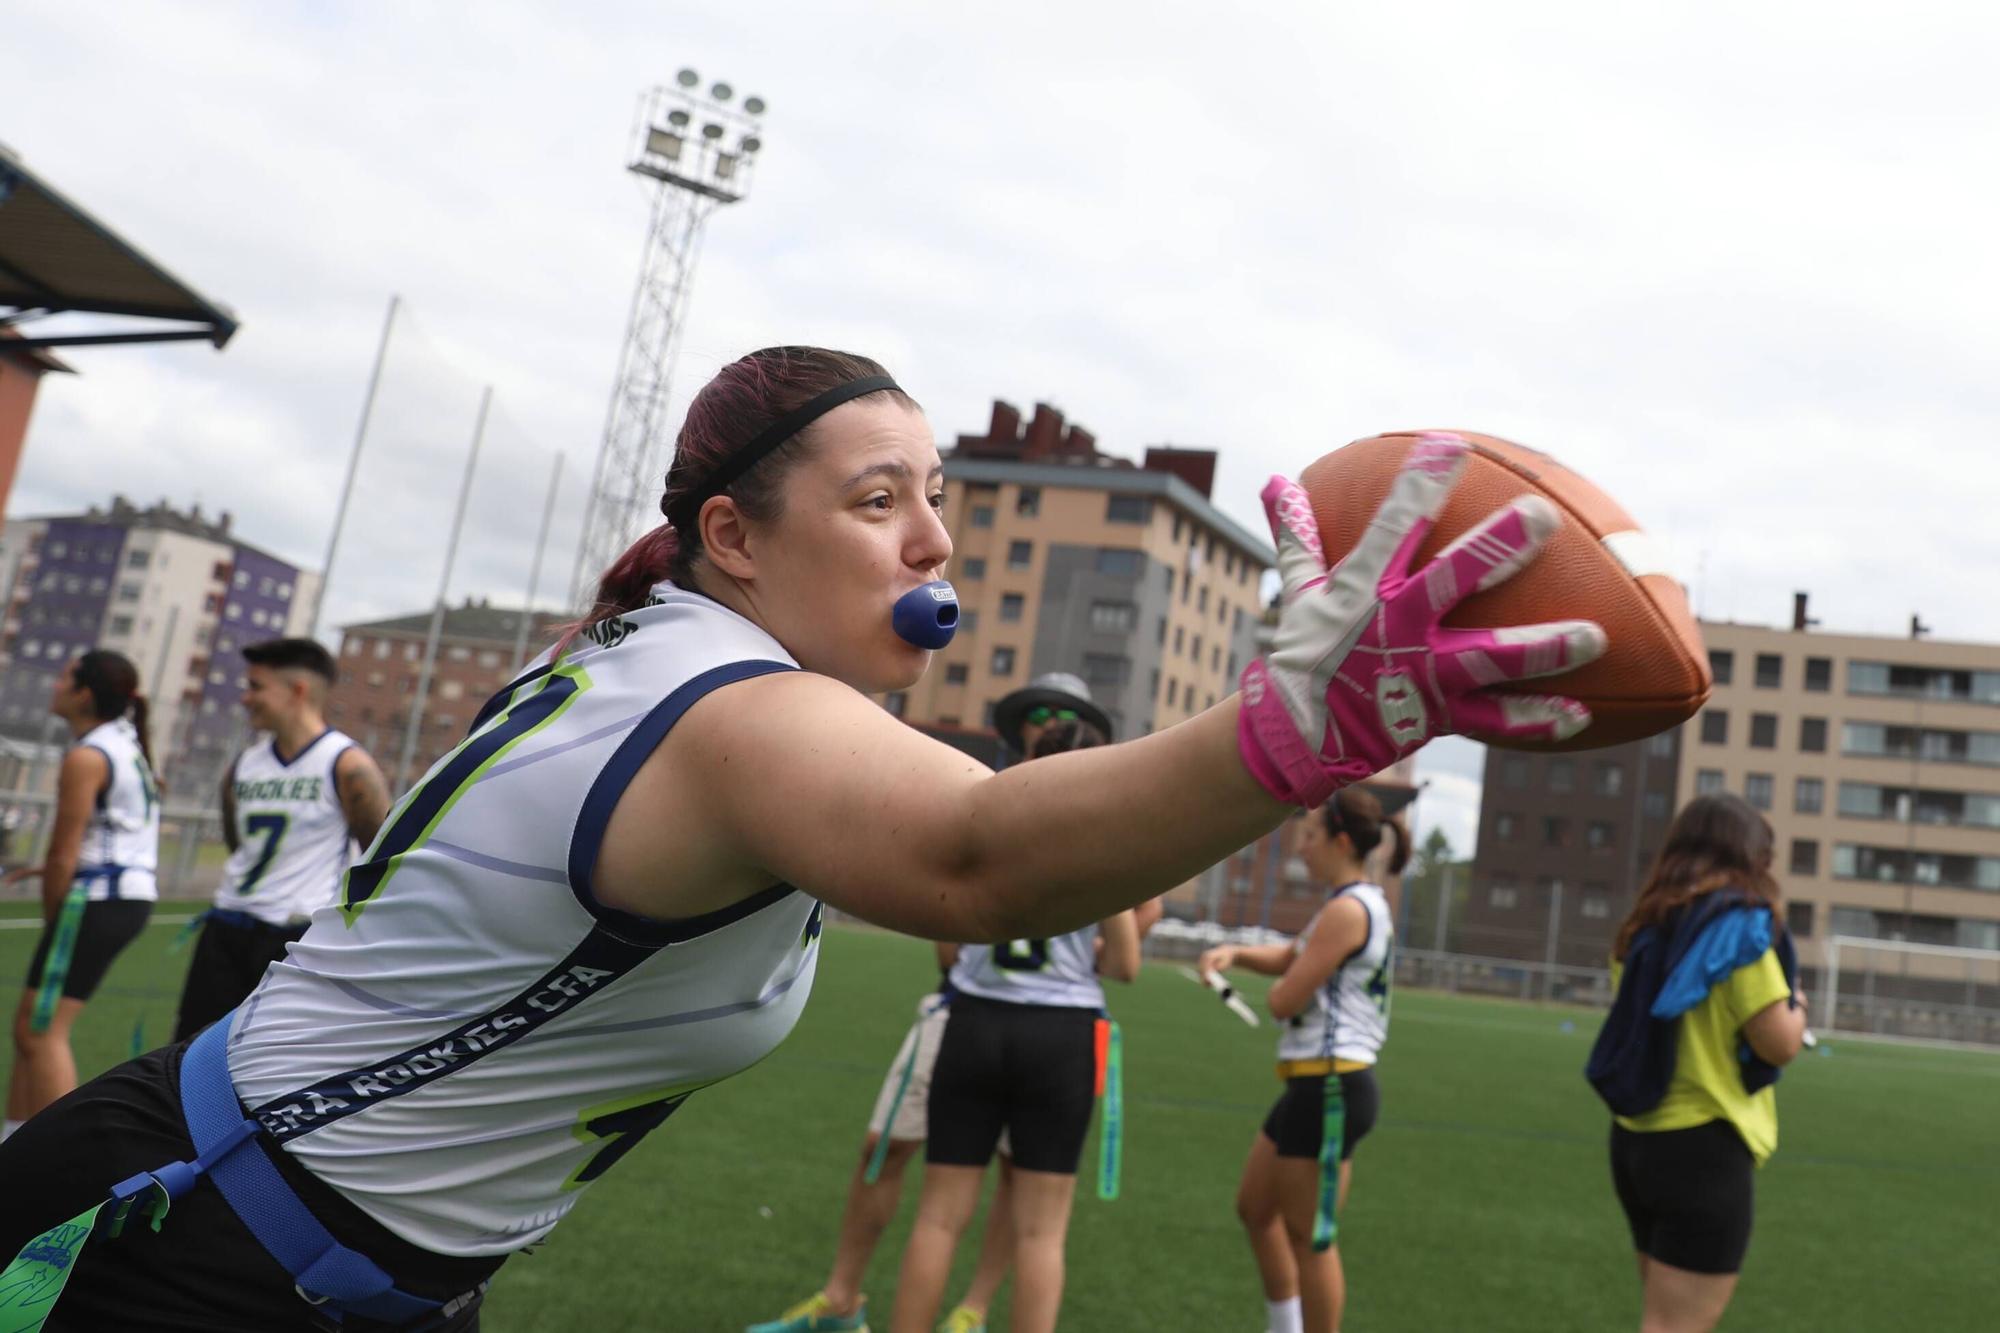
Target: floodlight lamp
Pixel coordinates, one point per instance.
(711, 131)
(754, 105)
(722, 92)
(751, 143)
(687, 78)
(677, 118)
(660, 143)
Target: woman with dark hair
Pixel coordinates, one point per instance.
(609, 895)
(1707, 1009)
(1332, 996)
(97, 878)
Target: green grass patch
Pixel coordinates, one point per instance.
(1483, 1199)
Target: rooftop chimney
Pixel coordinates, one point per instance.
(1044, 433)
(1196, 467)
(1917, 627)
(1800, 620)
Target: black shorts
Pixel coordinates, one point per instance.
(1297, 1123)
(202, 1269)
(1028, 1068)
(229, 961)
(107, 928)
(1686, 1193)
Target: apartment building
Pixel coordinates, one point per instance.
(1069, 559)
(1876, 759)
(177, 592)
(382, 660)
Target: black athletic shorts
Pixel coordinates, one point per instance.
(202, 1270)
(107, 928)
(229, 961)
(1686, 1193)
(1297, 1123)
(1029, 1068)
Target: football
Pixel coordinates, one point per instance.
(1598, 566)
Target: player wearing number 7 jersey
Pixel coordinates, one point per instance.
(1332, 995)
(294, 804)
(608, 896)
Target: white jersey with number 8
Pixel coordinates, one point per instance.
(1060, 971)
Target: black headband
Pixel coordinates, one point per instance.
(684, 510)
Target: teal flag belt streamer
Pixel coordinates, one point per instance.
(182, 938)
(875, 1159)
(1326, 1227)
(1111, 1139)
(34, 1278)
(55, 968)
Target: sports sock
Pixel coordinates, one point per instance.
(7, 1128)
(1284, 1316)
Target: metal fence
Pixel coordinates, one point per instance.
(191, 848)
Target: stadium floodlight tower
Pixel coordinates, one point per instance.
(696, 150)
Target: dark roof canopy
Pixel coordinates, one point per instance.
(56, 258)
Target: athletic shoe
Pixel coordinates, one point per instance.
(964, 1319)
(814, 1315)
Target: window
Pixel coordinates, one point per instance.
(1812, 735)
(1599, 835)
(1805, 856)
(1028, 503)
(411, 651)
(1169, 571)
(1127, 509)
(1215, 658)
(1504, 827)
(1763, 731)
(1113, 617)
(458, 653)
(257, 616)
(120, 625)
(1162, 635)
(1194, 650)
(987, 714)
(1011, 605)
(1555, 831)
(955, 673)
(374, 678)
(451, 689)
(1596, 904)
(138, 559)
(98, 585)
(1106, 670)
(1863, 800)
(1799, 918)
(1715, 726)
(1770, 671)
(1610, 779)
(489, 658)
(1513, 771)
(1003, 662)
(968, 622)
(32, 648)
(1562, 776)
(1020, 554)
(1721, 665)
(284, 592)
(57, 550)
(1654, 803)
(242, 578)
(1708, 782)
(1173, 691)
(264, 586)
(129, 592)
(1502, 894)
(234, 611)
(975, 567)
(1809, 796)
(982, 517)
(896, 703)
(1660, 746)
(1119, 563)
(1180, 638)
(1757, 789)
(381, 648)
(1819, 674)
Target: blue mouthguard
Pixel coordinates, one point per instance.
(927, 616)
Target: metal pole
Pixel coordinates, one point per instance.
(535, 570)
(1555, 932)
(1832, 987)
(353, 466)
(1444, 903)
(437, 610)
(160, 675)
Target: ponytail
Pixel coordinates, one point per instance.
(629, 581)
(140, 711)
(1356, 812)
(1399, 853)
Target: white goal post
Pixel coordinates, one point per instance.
(1895, 988)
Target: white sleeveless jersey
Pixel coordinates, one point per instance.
(121, 844)
(1348, 1018)
(1060, 971)
(291, 834)
(467, 1038)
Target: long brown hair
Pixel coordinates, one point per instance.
(1715, 842)
(113, 683)
(1357, 812)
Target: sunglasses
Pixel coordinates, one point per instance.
(1042, 716)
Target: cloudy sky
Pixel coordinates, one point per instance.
(1736, 263)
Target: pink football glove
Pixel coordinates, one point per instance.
(1362, 671)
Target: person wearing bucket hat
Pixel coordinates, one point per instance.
(1057, 696)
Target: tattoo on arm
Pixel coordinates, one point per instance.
(364, 795)
(229, 835)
